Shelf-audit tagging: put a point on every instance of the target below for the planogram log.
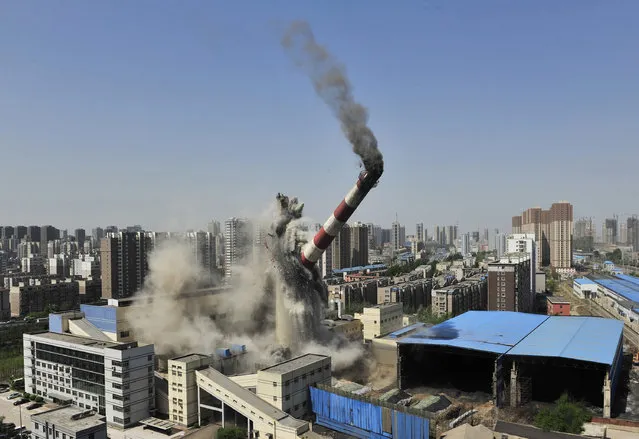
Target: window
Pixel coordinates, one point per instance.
(275, 398)
(124, 334)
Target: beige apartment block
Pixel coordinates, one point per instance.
(183, 408)
(381, 319)
(285, 385)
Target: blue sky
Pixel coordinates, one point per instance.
(168, 114)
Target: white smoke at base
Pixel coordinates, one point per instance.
(245, 314)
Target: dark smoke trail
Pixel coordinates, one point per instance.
(332, 85)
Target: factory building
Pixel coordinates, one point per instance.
(467, 295)
(114, 379)
(509, 285)
(618, 294)
(381, 319)
(518, 357)
(68, 423)
(285, 385)
(222, 400)
(43, 294)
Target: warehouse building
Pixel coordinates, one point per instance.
(516, 357)
(222, 400)
(619, 295)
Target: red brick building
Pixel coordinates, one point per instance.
(558, 306)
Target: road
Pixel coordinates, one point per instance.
(591, 308)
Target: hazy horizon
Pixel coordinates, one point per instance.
(171, 115)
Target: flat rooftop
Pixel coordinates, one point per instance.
(61, 417)
(556, 299)
(189, 357)
(295, 363)
(75, 339)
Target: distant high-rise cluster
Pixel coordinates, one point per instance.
(238, 239)
(553, 230)
(350, 247)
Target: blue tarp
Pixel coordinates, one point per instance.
(364, 419)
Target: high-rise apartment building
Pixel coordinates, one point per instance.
(359, 245)
(202, 245)
(34, 234)
(341, 249)
(525, 243)
(114, 379)
(516, 224)
(500, 244)
(509, 284)
(48, 233)
(553, 233)
(632, 225)
(326, 262)
(80, 236)
(419, 232)
(451, 235)
(238, 241)
(609, 231)
(465, 244)
(96, 235)
(398, 236)
(561, 216)
(123, 263)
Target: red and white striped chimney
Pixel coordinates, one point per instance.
(313, 250)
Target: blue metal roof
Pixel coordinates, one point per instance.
(405, 329)
(609, 263)
(625, 288)
(627, 278)
(486, 331)
(578, 338)
(591, 339)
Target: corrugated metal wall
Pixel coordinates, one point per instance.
(55, 323)
(102, 317)
(365, 419)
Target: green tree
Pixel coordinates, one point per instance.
(426, 315)
(231, 433)
(565, 416)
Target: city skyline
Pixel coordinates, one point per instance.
(155, 120)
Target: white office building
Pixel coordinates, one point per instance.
(114, 379)
(465, 244)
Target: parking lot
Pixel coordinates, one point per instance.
(12, 413)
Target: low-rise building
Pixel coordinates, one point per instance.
(558, 306)
(68, 423)
(351, 328)
(381, 319)
(42, 295)
(114, 379)
(285, 385)
(584, 287)
(183, 388)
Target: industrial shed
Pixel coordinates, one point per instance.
(516, 356)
